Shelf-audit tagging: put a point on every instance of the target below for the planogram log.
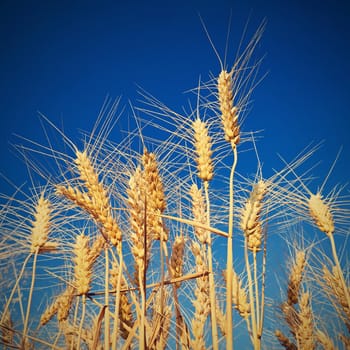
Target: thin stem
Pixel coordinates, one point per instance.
(263, 275)
(75, 319)
(81, 320)
(25, 328)
(15, 287)
(117, 305)
(229, 267)
(107, 335)
(214, 328)
(251, 296)
(256, 297)
(142, 340)
(340, 271)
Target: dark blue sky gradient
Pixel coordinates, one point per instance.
(63, 58)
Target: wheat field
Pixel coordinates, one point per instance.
(158, 241)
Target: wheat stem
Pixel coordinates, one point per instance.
(106, 316)
(256, 343)
(29, 302)
(15, 287)
(117, 304)
(340, 271)
(229, 268)
(212, 297)
(82, 317)
(256, 296)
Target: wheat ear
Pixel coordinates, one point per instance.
(199, 213)
(284, 341)
(95, 201)
(176, 259)
(156, 203)
(229, 112)
(202, 143)
(41, 226)
(305, 329)
(82, 264)
(320, 212)
(201, 302)
(140, 242)
(295, 277)
(251, 216)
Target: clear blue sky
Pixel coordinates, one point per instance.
(63, 57)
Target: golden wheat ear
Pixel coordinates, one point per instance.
(229, 112)
(203, 144)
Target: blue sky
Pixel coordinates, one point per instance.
(63, 58)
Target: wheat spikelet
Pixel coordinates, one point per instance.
(325, 340)
(199, 213)
(64, 303)
(125, 316)
(113, 275)
(284, 341)
(305, 330)
(250, 216)
(202, 143)
(41, 226)
(82, 264)
(50, 312)
(220, 316)
(321, 214)
(176, 260)
(96, 248)
(295, 277)
(156, 203)
(291, 317)
(136, 202)
(201, 302)
(239, 296)
(229, 112)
